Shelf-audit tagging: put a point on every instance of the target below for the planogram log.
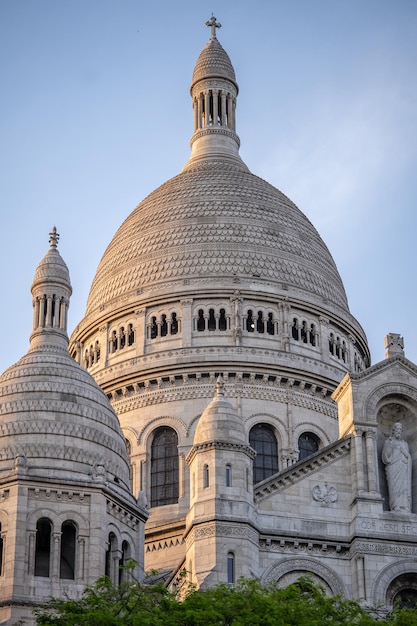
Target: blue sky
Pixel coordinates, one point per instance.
(95, 113)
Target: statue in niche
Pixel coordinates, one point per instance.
(397, 460)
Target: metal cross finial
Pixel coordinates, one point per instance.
(53, 238)
(213, 25)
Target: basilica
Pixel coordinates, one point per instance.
(215, 414)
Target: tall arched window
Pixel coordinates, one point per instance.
(308, 444)
(263, 440)
(111, 549)
(43, 547)
(230, 568)
(125, 556)
(67, 560)
(206, 476)
(164, 467)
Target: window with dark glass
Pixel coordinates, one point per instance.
(308, 443)
(211, 320)
(164, 467)
(43, 547)
(154, 328)
(164, 326)
(294, 329)
(206, 476)
(67, 560)
(111, 547)
(263, 440)
(250, 324)
(270, 329)
(230, 568)
(222, 320)
(174, 324)
(228, 475)
(201, 322)
(125, 556)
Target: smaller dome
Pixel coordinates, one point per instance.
(52, 269)
(220, 422)
(213, 62)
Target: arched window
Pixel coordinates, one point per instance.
(43, 547)
(228, 475)
(130, 335)
(211, 320)
(67, 560)
(174, 324)
(164, 326)
(111, 549)
(250, 324)
(164, 467)
(230, 568)
(313, 335)
(206, 476)
(294, 329)
(122, 337)
(222, 320)
(154, 328)
(263, 440)
(114, 341)
(270, 328)
(303, 331)
(97, 351)
(201, 322)
(125, 556)
(260, 325)
(308, 444)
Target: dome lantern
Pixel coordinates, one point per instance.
(214, 91)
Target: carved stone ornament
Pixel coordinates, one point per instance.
(324, 494)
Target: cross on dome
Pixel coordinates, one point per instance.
(213, 25)
(53, 238)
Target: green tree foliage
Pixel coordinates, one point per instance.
(248, 603)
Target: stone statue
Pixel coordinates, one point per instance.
(397, 460)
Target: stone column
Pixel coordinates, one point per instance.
(371, 460)
(55, 555)
(223, 118)
(359, 460)
(80, 575)
(186, 323)
(360, 573)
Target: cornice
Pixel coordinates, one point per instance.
(300, 470)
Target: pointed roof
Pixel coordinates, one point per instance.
(219, 421)
(213, 62)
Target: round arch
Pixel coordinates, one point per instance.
(287, 571)
(392, 579)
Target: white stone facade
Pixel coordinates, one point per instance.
(217, 273)
(215, 276)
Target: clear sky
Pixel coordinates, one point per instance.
(95, 113)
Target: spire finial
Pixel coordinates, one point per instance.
(219, 386)
(213, 25)
(53, 238)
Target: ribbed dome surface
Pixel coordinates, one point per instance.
(212, 221)
(52, 268)
(213, 62)
(53, 414)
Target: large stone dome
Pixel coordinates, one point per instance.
(213, 221)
